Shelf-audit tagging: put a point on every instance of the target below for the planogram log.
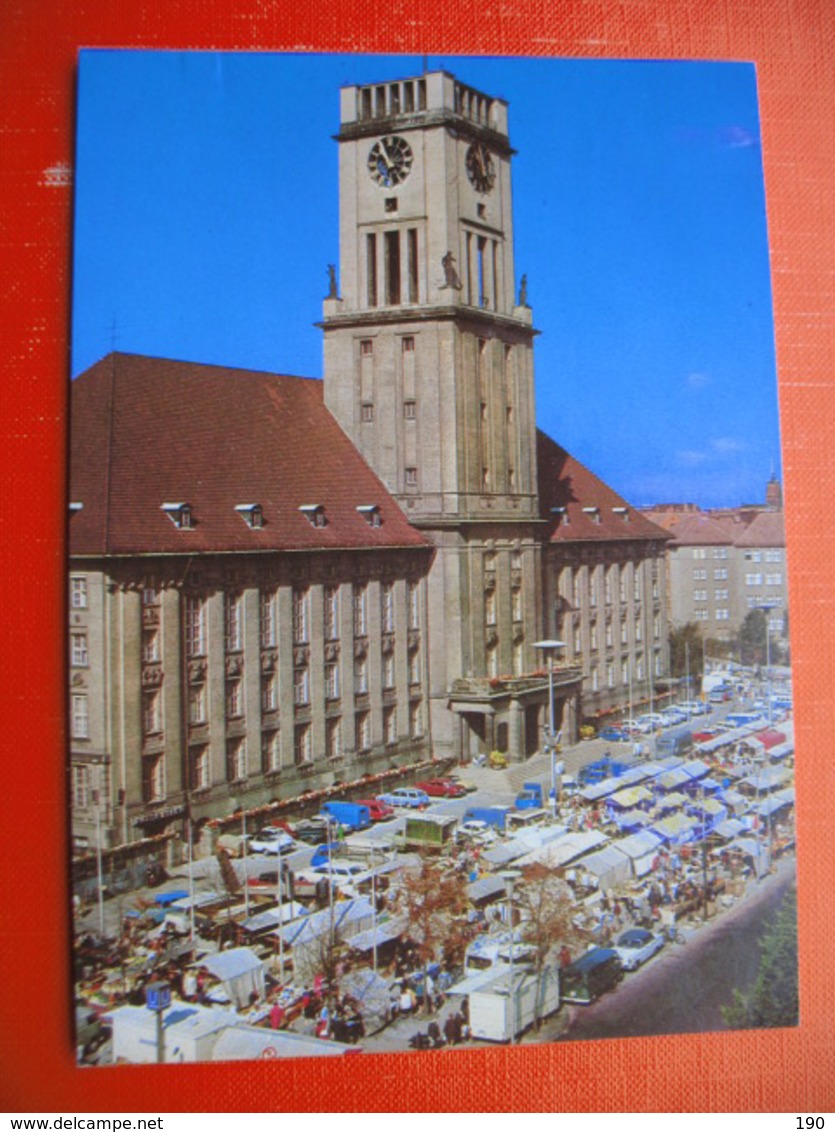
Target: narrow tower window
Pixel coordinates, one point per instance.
(392, 263)
(412, 258)
(371, 268)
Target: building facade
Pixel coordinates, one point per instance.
(723, 563)
(279, 585)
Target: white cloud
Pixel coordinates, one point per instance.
(698, 380)
(690, 458)
(726, 444)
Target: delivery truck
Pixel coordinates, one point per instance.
(504, 1007)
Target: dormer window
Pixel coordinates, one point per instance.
(314, 513)
(371, 513)
(623, 512)
(561, 514)
(180, 515)
(593, 513)
(76, 507)
(252, 514)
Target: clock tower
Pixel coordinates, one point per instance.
(429, 370)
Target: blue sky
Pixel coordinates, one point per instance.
(207, 212)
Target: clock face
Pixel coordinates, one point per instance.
(389, 161)
(480, 167)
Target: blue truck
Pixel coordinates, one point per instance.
(529, 797)
(600, 770)
(495, 816)
(350, 815)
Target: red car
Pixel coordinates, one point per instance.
(377, 810)
(442, 788)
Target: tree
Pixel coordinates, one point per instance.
(773, 999)
(686, 652)
(753, 645)
(436, 905)
(546, 905)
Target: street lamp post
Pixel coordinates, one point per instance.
(766, 608)
(548, 648)
(158, 999)
(510, 876)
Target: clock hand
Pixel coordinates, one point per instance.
(384, 153)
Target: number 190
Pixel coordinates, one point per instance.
(807, 1122)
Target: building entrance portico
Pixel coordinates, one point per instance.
(511, 715)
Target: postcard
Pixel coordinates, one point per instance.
(429, 671)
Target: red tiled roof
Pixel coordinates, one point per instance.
(701, 530)
(768, 529)
(564, 482)
(148, 431)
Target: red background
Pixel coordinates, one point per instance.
(791, 41)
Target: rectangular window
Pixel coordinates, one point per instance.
(414, 605)
(153, 779)
(367, 347)
(720, 595)
(516, 604)
(151, 713)
(391, 247)
(79, 656)
(387, 607)
(331, 613)
(197, 704)
(388, 671)
(233, 636)
(483, 297)
(269, 693)
(332, 681)
(234, 699)
(360, 611)
(700, 575)
(415, 720)
(414, 667)
(301, 686)
(302, 744)
(720, 552)
(270, 751)
(200, 768)
(367, 412)
(624, 633)
(774, 579)
(301, 616)
(412, 264)
(236, 760)
(80, 787)
(150, 596)
(150, 646)
(267, 619)
(721, 574)
(371, 268)
(774, 556)
(390, 725)
(409, 410)
(408, 344)
(363, 731)
(723, 615)
(80, 718)
(411, 477)
(195, 618)
(78, 592)
(333, 738)
(361, 676)
(490, 608)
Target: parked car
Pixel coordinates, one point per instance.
(441, 788)
(378, 811)
(673, 715)
(313, 831)
(651, 721)
(635, 946)
(405, 796)
(272, 840)
(612, 734)
(476, 831)
(343, 876)
(469, 787)
(695, 707)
